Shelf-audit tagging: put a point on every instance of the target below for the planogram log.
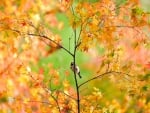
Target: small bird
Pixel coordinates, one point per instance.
(75, 69)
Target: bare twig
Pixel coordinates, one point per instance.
(46, 37)
(55, 99)
(42, 102)
(94, 108)
(69, 43)
(67, 95)
(102, 75)
(49, 92)
(51, 41)
(78, 43)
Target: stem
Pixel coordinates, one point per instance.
(78, 93)
(79, 35)
(56, 103)
(30, 101)
(75, 77)
(46, 37)
(52, 41)
(74, 60)
(67, 95)
(49, 92)
(101, 75)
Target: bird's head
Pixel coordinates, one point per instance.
(72, 63)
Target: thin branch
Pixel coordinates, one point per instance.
(95, 108)
(72, 10)
(56, 103)
(69, 43)
(67, 95)
(120, 26)
(49, 103)
(79, 35)
(128, 26)
(2, 42)
(46, 37)
(52, 41)
(108, 67)
(102, 75)
(54, 98)
(48, 91)
(17, 31)
(75, 75)
(42, 102)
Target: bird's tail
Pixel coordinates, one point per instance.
(79, 75)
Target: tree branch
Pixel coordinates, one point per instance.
(42, 102)
(49, 92)
(75, 76)
(46, 37)
(51, 41)
(56, 103)
(79, 36)
(67, 95)
(74, 61)
(101, 75)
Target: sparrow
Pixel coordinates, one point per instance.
(75, 69)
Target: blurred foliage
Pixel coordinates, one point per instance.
(35, 73)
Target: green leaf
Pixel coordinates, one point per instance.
(137, 11)
(145, 88)
(3, 99)
(147, 76)
(120, 2)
